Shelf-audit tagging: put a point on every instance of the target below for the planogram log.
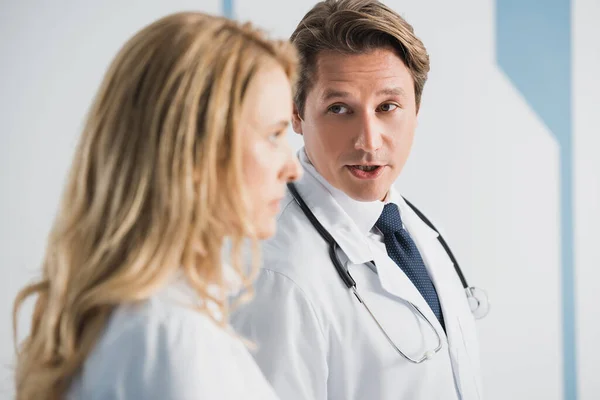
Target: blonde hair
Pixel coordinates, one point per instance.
(155, 187)
(354, 27)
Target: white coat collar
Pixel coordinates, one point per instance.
(364, 214)
(324, 201)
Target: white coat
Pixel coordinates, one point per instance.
(163, 349)
(316, 341)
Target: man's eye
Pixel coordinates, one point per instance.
(338, 109)
(387, 107)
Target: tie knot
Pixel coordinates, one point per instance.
(389, 221)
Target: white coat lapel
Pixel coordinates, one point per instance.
(451, 294)
(357, 250)
(394, 281)
(333, 218)
(454, 306)
(440, 268)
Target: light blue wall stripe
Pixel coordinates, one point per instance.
(227, 8)
(534, 50)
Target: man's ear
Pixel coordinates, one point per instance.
(296, 121)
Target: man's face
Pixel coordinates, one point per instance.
(359, 121)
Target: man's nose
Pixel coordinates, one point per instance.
(369, 136)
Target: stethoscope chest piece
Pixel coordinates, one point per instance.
(478, 301)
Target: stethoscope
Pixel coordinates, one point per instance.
(477, 298)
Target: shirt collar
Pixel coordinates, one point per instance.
(364, 213)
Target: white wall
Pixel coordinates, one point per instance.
(484, 165)
(586, 114)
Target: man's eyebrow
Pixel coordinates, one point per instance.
(332, 94)
(395, 91)
(329, 94)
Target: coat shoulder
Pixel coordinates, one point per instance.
(298, 252)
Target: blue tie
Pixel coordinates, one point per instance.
(403, 250)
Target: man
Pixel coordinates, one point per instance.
(362, 74)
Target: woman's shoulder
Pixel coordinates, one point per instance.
(175, 320)
(164, 347)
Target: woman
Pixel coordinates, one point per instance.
(183, 148)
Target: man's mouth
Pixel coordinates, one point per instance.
(366, 171)
(368, 168)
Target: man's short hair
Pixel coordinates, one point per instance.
(355, 27)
